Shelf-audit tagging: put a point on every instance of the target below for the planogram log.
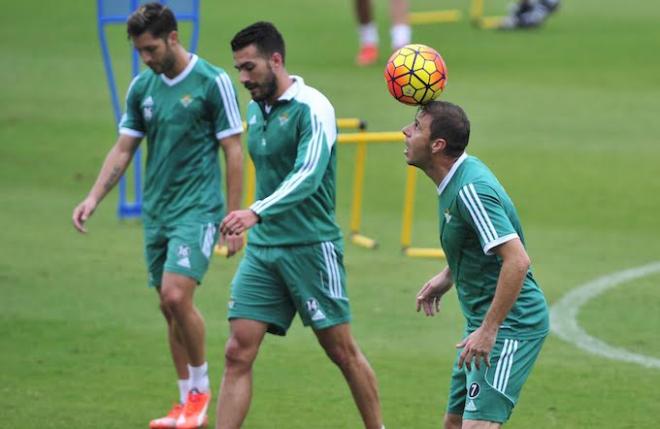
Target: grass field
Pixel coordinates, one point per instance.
(567, 117)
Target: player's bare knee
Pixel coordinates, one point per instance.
(452, 421)
(239, 355)
(174, 301)
(343, 354)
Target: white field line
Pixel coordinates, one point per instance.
(563, 316)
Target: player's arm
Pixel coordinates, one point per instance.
(515, 264)
(112, 169)
(312, 158)
(233, 150)
(481, 207)
(429, 296)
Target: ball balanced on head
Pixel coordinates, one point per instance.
(415, 74)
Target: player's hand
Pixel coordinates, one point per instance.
(428, 297)
(238, 222)
(82, 212)
(234, 243)
(477, 346)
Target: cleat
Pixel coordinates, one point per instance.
(193, 415)
(529, 15)
(368, 55)
(169, 421)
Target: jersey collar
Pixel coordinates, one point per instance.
(183, 74)
(452, 170)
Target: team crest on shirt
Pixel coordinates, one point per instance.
(186, 100)
(283, 118)
(253, 120)
(147, 108)
(447, 216)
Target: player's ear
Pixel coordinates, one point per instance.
(438, 146)
(276, 59)
(173, 38)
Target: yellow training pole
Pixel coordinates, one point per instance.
(476, 10)
(378, 137)
(356, 204)
(408, 207)
(406, 229)
(434, 17)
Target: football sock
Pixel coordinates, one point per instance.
(184, 386)
(400, 34)
(199, 377)
(368, 34)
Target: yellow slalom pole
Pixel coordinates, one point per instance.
(356, 204)
(408, 208)
(476, 10)
(434, 17)
(378, 137)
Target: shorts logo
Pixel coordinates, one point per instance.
(231, 304)
(314, 310)
(184, 256)
(474, 390)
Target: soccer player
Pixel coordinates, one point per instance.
(186, 108)
(293, 262)
(506, 313)
(400, 31)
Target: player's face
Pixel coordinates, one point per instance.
(418, 136)
(256, 74)
(156, 52)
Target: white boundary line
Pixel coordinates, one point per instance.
(563, 316)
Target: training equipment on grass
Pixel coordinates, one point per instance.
(415, 74)
(361, 139)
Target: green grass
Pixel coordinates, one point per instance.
(566, 116)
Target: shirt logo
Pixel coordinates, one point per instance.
(447, 216)
(184, 256)
(253, 120)
(147, 108)
(186, 100)
(283, 118)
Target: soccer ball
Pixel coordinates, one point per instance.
(415, 74)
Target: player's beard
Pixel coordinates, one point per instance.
(266, 90)
(167, 64)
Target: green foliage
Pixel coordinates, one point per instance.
(566, 116)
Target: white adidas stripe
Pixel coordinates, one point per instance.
(486, 238)
(229, 100)
(309, 166)
(332, 268)
(472, 190)
(508, 370)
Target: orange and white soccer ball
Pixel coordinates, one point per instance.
(415, 74)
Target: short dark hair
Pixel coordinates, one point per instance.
(263, 35)
(155, 18)
(449, 122)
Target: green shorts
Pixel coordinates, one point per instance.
(273, 283)
(490, 394)
(184, 248)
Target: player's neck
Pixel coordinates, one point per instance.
(439, 169)
(284, 82)
(183, 58)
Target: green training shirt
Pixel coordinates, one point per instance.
(293, 146)
(476, 215)
(183, 119)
